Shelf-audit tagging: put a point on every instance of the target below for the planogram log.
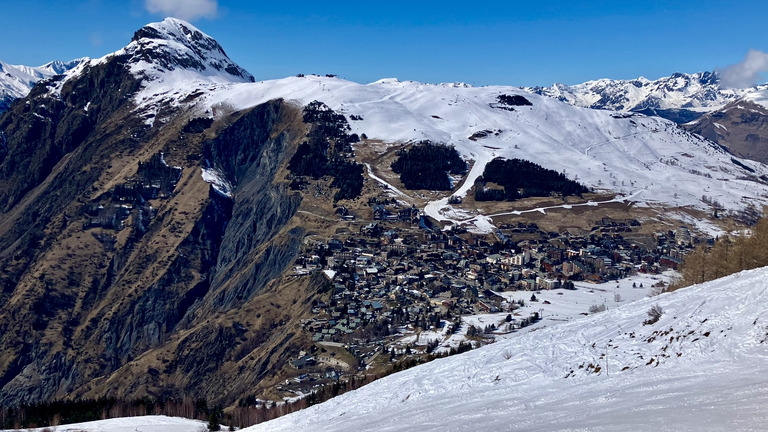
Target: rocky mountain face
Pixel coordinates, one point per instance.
(741, 127)
(16, 81)
(174, 45)
(680, 97)
(125, 273)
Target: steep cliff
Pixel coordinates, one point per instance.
(125, 273)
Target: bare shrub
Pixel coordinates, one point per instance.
(597, 308)
(654, 315)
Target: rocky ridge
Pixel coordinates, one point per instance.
(17, 80)
(741, 127)
(680, 97)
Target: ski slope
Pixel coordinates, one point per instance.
(702, 366)
(648, 158)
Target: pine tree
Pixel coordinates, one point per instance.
(214, 420)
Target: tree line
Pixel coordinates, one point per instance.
(325, 153)
(520, 179)
(58, 412)
(426, 166)
(726, 256)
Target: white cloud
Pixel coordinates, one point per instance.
(747, 73)
(184, 9)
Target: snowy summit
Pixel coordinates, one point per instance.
(176, 45)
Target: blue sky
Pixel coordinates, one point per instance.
(481, 43)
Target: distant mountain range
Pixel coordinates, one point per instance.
(680, 97)
(17, 80)
(737, 119)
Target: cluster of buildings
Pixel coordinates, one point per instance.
(393, 270)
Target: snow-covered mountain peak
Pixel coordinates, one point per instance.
(17, 80)
(168, 58)
(168, 55)
(58, 67)
(695, 93)
(174, 44)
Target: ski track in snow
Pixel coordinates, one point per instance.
(391, 188)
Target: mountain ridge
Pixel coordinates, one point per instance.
(17, 80)
(680, 97)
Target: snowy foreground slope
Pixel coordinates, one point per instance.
(702, 366)
(134, 424)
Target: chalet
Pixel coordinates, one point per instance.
(669, 262)
(410, 215)
(335, 245)
(379, 211)
(487, 307)
(492, 296)
(303, 361)
(372, 229)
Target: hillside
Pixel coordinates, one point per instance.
(627, 154)
(702, 366)
(741, 126)
(124, 271)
